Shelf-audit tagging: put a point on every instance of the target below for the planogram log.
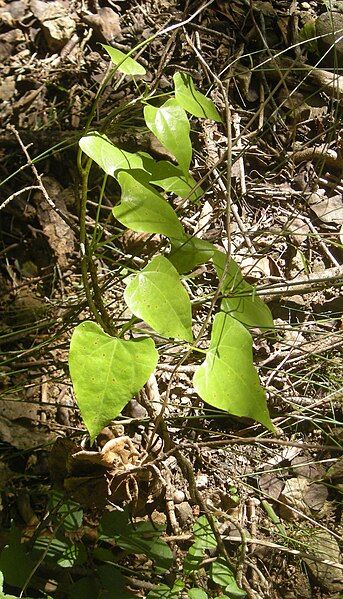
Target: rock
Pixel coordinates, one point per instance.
(56, 23)
(13, 11)
(106, 24)
(322, 545)
(184, 513)
(7, 88)
(178, 496)
(329, 28)
(201, 481)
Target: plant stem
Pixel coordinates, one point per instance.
(97, 308)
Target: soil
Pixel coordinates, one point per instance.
(275, 499)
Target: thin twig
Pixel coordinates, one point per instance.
(40, 182)
(16, 194)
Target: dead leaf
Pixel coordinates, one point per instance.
(299, 231)
(315, 496)
(336, 470)
(270, 484)
(329, 210)
(61, 238)
(304, 465)
(255, 268)
(117, 454)
(293, 496)
(24, 435)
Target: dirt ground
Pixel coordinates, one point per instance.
(276, 500)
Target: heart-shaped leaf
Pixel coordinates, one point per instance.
(222, 574)
(157, 296)
(242, 303)
(107, 372)
(143, 209)
(126, 64)
(110, 158)
(193, 101)
(227, 378)
(170, 125)
(196, 593)
(171, 178)
(188, 252)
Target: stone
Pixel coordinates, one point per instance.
(178, 496)
(13, 11)
(57, 24)
(105, 24)
(324, 546)
(184, 514)
(7, 89)
(329, 28)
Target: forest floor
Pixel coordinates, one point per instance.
(274, 500)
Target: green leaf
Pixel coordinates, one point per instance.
(222, 574)
(165, 592)
(171, 178)
(188, 252)
(203, 539)
(4, 595)
(193, 558)
(75, 555)
(107, 372)
(127, 65)
(67, 510)
(53, 548)
(170, 125)
(113, 524)
(112, 583)
(227, 379)
(193, 101)
(143, 209)
(108, 156)
(197, 594)
(244, 304)
(157, 296)
(11, 556)
(88, 586)
(308, 34)
(203, 534)
(145, 538)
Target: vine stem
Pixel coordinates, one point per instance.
(96, 307)
(227, 261)
(96, 304)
